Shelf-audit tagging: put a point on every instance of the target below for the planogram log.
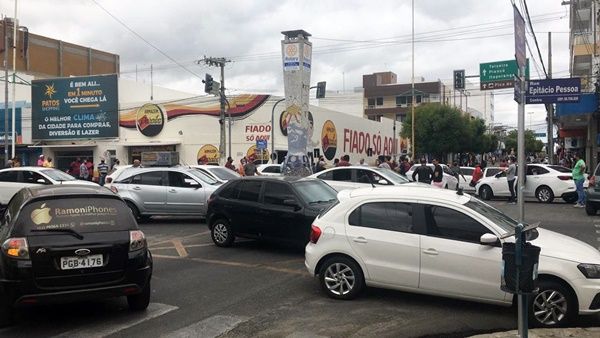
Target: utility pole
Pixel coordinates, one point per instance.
(220, 62)
(412, 92)
(14, 66)
(550, 108)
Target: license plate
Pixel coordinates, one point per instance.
(83, 262)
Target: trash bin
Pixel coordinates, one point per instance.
(528, 270)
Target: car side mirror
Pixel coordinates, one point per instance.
(489, 239)
(291, 203)
(382, 182)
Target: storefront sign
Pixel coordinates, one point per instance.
(149, 120)
(254, 154)
(208, 154)
(75, 108)
(255, 132)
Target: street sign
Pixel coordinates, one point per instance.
(499, 74)
(261, 144)
(520, 38)
(553, 91)
(518, 95)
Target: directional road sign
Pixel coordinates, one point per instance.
(553, 91)
(499, 74)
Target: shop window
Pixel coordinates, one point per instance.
(380, 101)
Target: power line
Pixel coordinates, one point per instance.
(534, 37)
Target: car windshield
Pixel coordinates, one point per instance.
(315, 192)
(204, 177)
(223, 173)
(498, 217)
(392, 175)
(560, 168)
(57, 175)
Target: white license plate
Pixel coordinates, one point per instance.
(83, 262)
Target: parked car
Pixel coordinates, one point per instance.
(13, 179)
(174, 191)
(269, 169)
(272, 208)
(445, 244)
(114, 175)
(465, 179)
(217, 173)
(544, 182)
(491, 171)
(352, 177)
(450, 182)
(592, 199)
(70, 243)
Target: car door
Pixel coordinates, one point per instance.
(499, 184)
(453, 262)
(185, 195)
(245, 209)
(340, 179)
(149, 191)
(382, 235)
(9, 185)
(282, 214)
(535, 178)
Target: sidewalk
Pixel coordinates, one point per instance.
(575, 332)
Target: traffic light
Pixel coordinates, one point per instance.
(208, 84)
(459, 79)
(321, 89)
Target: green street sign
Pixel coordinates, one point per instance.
(499, 73)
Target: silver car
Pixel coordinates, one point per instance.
(176, 191)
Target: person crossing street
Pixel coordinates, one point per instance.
(579, 178)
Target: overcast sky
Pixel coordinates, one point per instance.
(350, 38)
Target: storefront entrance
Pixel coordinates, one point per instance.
(63, 159)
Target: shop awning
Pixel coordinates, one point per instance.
(149, 144)
(588, 103)
(62, 145)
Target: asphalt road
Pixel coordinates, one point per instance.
(257, 289)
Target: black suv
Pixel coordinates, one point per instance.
(67, 243)
(272, 208)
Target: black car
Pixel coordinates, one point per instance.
(271, 208)
(69, 243)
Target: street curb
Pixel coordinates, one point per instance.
(578, 332)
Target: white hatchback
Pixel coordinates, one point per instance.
(443, 243)
(352, 177)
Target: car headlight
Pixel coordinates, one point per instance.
(589, 270)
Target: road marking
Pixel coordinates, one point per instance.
(182, 238)
(180, 249)
(187, 246)
(208, 328)
(104, 328)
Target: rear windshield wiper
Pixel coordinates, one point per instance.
(69, 231)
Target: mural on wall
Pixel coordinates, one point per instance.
(149, 120)
(329, 140)
(208, 154)
(254, 154)
(240, 106)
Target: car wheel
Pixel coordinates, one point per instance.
(140, 301)
(590, 208)
(134, 210)
(222, 233)
(486, 193)
(341, 278)
(553, 306)
(544, 194)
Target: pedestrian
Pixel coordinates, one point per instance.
(320, 166)
(424, 173)
(74, 167)
(102, 172)
(476, 176)
(336, 161)
(511, 173)
(579, 177)
(136, 164)
(16, 162)
(344, 162)
(10, 164)
(455, 169)
(384, 164)
(90, 167)
(362, 163)
(250, 168)
(229, 164)
(84, 174)
(40, 161)
(404, 167)
(48, 163)
(241, 168)
(438, 174)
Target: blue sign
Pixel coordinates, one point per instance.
(84, 107)
(520, 38)
(18, 131)
(261, 144)
(553, 91)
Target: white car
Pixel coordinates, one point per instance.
(352, 177)
(13, 179)
(465, 178)
(269, 169)
(450, 182)
(444, 244)
(544, 182)
(114, 175)
(220, 174)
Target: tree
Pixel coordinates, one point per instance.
(532, 145)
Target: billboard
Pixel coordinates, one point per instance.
(18, 132)
(83, 107)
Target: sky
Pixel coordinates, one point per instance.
(350, 38)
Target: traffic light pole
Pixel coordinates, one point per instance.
(220, 62)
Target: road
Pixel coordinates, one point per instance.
(257, 289)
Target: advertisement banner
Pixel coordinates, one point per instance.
(83, 107)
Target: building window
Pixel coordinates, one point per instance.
(380, 101)
(418, 99)
(371, 103)
(401, 101)
(374, 118)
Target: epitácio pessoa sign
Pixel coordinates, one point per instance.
(553, 91)
(75, 108)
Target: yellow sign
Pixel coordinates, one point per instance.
(149, 120)
(208, 154)
(329, 140)
(254, 154)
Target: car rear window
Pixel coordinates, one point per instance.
(560, 168)
(76, 213)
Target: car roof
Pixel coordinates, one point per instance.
(66, 190)
(278, 178)
(27, 168)
(414, 192)
(206, 166)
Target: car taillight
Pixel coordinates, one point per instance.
(114, 189)
(16, 248)
(565, 178)
(592, 182)
(137, 240)
(315, 233)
